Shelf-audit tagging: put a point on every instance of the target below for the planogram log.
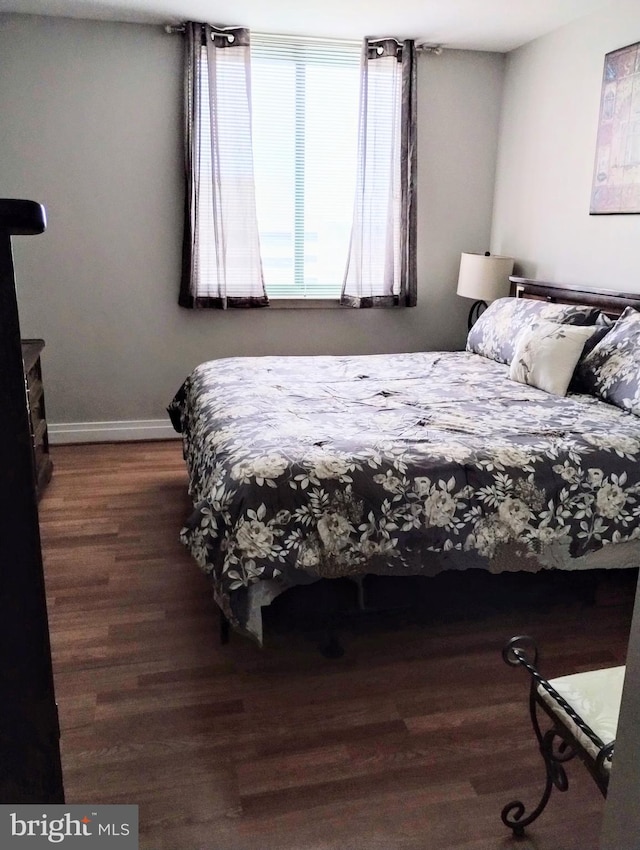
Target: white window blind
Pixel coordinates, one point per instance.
(305, 95)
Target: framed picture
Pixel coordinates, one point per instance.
(616, 174)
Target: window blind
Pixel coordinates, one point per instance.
(305, 95)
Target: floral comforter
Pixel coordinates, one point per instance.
(307, 467)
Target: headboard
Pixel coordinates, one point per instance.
(609, 301)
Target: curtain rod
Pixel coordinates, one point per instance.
(436, 49)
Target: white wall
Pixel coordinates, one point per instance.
(546, 157)
(91, 124)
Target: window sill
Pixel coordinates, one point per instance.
(304, 304)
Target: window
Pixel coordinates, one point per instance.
(305, 95)
(300, 166)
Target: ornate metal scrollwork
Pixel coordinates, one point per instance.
(557, 745)
(556, 751)
(518, 649)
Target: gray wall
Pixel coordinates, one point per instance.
(546, 157)
(91, 121)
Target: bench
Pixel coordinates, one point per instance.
(582, 710)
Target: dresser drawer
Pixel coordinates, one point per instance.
(33, 376)
(36, 404)
(31, 349)
(34, 388)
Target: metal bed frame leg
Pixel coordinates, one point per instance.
(330, 646)
(224, 629)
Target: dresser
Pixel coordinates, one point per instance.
(31, 350)
(30, 765)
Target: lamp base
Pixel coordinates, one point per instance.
(477, 308)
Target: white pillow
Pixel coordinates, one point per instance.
(546, 354)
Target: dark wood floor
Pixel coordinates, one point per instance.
(413, 740)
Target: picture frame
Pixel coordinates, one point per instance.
(616, 175)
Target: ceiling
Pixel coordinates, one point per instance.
(498, 25)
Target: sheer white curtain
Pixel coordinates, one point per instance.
(221, 249)
(381, 268)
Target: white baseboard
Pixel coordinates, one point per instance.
(110, 432)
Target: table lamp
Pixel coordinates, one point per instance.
(483, 277)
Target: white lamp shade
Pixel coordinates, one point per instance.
(484, 278)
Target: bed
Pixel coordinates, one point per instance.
(303, 468)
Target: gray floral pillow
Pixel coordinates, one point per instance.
(602, 327)
(495, 332)
(612, 370)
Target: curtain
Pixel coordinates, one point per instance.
(381, 268)
(221, 265)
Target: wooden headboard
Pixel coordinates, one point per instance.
(609, 301)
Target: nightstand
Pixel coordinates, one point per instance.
(31, 349)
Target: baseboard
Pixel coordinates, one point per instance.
(110, 432)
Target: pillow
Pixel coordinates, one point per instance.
(612, 370)
(546, 354)
(494, 334)
(602, 327)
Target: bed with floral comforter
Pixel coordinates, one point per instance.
(308, 467)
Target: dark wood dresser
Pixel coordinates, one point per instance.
(31, 350)
(30, 765)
